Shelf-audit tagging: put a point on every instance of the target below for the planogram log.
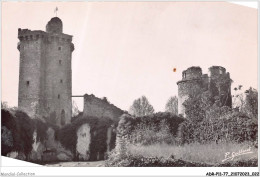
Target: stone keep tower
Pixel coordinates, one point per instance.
(45, 73)
(194, 82)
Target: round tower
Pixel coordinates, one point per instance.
(191, 84)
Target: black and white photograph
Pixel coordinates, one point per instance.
(129, 84)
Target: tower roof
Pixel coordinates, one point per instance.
(54, 25)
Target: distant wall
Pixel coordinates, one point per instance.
(97, 107)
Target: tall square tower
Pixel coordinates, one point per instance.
(45, 77)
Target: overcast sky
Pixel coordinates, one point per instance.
(124, 50)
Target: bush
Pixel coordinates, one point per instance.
(146, 130)
(155, 128)
(18, 128)
(21, 128)
(140, 161)
(17, 131)
(229, 127)
(208, 120)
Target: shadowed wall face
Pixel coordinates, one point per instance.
(45, 73)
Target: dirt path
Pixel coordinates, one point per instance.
(77, 164)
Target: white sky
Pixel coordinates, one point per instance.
(124, 50)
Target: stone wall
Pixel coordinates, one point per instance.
(97, 107)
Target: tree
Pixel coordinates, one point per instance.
(238, 101)
(172, 105)
(141, 107)
(4, 105)
(246, 101)
(75, 109)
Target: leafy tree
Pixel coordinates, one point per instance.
(141, 107)
(238, 100)
(75, 109)
(246, 101)
(172, 105)
(4, 105)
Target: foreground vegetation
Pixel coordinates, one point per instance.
(209, 133)
(211, 154)
(203, 138)
(18, 131)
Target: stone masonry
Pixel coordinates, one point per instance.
(97, 107)
(45, 73)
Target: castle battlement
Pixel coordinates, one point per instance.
(192, 72)
(26, 34)
(216, 71)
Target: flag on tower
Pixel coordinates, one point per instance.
(55, 10)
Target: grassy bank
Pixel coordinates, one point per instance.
(210, 153)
